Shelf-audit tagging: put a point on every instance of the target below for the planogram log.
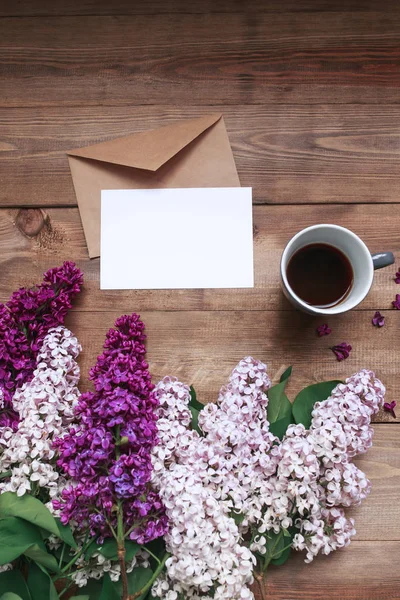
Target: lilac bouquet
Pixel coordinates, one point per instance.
(238, 497)
(136, 492)
(106, 454)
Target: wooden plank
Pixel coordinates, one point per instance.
(288, 154)
(32, 241)
(202, 347)
(378, 519)
(363, 571)
(237, 58)
(20, 8)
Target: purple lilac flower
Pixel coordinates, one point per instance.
(396, 303)
(37, 309)
(378, 320)
(107, 452)
(323, 330)
(24, 322)
(390, 406)
(341, 351)
(397, 277)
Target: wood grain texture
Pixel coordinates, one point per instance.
(331, 57)
(364, 571)
(33, 240)
(20, 8)
(202, 347)
(373, 520)
(288, 154)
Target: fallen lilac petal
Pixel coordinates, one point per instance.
(397, 277)
(396, 303)
(378, 320)
(389, 407)
(341, 351)
(323, 330)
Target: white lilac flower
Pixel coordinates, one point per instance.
(204, 540)
(98, 565)
(331, 531)
(45, 406)
(238, 466)
(344, 485)
(6, 567)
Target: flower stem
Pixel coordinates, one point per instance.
(75, 558)
(62, 556)
(259, 578)
(152, 580)
(63, 591)
(151, 554)
(121, 553)
(124, 578)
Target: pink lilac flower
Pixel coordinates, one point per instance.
(341, 351)
(397, 277)
(390, 406)
(202, 479)
(396, 303)
(302, 482)
(378, 320)
(323, 330)
(106, 452)
(24, 322)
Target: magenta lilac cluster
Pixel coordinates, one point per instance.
(107, 452)
(24, 322)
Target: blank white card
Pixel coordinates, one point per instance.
(176, 238)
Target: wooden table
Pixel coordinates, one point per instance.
(310, 91)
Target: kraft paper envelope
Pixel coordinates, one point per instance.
(193, 153)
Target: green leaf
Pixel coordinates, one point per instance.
(280, 426)
(279, 405)
(29, 508)
(282, 558)
(304, 402)
(92, 548)
(85, 597)
(195, 419)
(16, 536)
(237, 517)
(284, 547)
(193, 400)
(156, 547)
(5, 474)
(40, 584)
(38, 553)
(65, 533)
(286, 374)
(13, 581)
(10, 596)
(275, 544)
(138, 579)
(195, 408)
(109, 590)
(93, 589)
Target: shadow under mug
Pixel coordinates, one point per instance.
(361, 260)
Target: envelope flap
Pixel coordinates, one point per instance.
(148, 150)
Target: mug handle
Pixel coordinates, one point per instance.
(382, 259)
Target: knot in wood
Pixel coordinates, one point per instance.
(30, 221)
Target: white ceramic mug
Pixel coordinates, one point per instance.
(361, 260)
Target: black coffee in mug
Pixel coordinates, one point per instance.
(320, 274)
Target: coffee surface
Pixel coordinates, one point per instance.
(320, 274)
